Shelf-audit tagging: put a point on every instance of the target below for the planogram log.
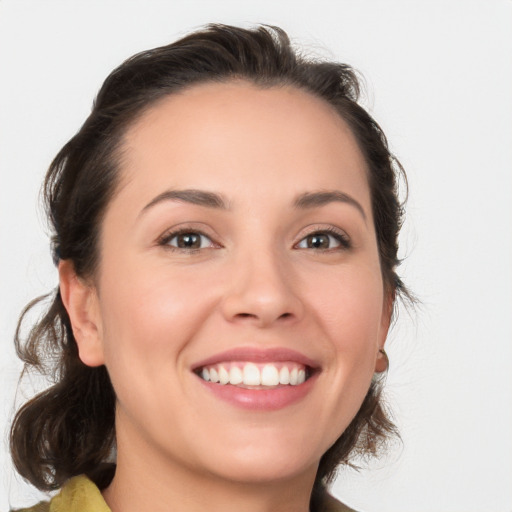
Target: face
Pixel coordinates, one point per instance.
(239, 303)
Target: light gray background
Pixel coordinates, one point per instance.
(439, 80)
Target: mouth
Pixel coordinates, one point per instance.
(253, 375)
(259, 379)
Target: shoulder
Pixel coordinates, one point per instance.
(331, 504)
(78, 495)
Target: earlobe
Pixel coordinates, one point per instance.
(81, 303)
(382, 362)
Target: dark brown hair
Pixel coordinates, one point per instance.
(69, 428)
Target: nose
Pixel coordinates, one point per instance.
(261, 290)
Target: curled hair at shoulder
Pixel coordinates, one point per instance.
(69, 428)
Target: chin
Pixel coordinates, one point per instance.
(268, 460)
(267, 470)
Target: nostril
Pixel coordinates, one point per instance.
(250, 315)
(263, 318)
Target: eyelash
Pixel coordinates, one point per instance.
(165, 239)
(342, 238)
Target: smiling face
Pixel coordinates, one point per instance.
(239, 248)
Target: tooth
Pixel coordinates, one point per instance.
(269, 375)
(235, 375)
(214, 376)
(251, 375)
(223, 375)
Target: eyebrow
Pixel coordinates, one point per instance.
(192, 196)
(321, 198)
(213, 200)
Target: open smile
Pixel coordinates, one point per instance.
(258, 379)
(255, 375)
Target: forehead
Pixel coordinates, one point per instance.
(249, 137)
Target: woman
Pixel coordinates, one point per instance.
(226, 226)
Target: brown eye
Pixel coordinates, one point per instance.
(188, 240)
(318, 241)
(324, 241)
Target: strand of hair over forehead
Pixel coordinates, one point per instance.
(264, 55)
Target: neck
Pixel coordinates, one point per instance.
(153, 482)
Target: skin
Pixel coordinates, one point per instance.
(152, 311)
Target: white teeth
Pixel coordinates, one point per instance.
(214, 376)
(235, 375)
(269, 375)
(284, 375)
(251, 375)
(223, 375)
(293, 377)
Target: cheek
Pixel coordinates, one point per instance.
(350, 313)
(147, 321)
(349, 305)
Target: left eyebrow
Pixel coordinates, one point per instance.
(321, 198)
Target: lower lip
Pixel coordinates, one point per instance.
(261, 399)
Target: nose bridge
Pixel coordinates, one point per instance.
(261, 289)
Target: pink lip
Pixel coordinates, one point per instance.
(260, 399)
(258, 355)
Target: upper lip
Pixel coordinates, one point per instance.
(258, 355)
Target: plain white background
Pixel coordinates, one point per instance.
(439, 77)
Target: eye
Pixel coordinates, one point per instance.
(186, 240)
(324, 240)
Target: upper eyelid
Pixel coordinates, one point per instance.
(174, 234)
(322, 228)
(192, 227)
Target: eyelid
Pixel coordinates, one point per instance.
(341, 235)
(169, 234)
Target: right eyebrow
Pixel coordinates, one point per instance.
(192, 196)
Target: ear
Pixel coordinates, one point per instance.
(382, 362)
(81, 302)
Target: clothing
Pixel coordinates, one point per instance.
(81, 495)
